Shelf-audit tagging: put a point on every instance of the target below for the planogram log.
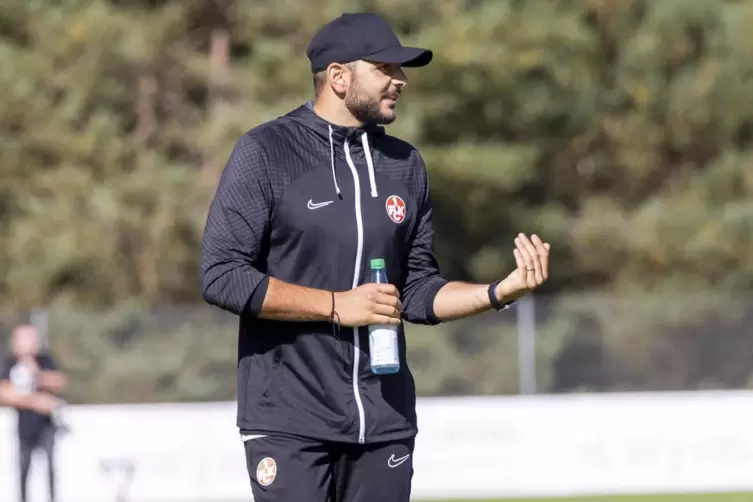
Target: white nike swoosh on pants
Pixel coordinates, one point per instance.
(394, 462)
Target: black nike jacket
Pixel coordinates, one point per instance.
(310, 203)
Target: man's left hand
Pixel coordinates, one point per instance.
(532, 259)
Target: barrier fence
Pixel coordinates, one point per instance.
(584, 342)
(467, 447)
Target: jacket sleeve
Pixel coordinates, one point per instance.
(235, 230)
(423, 281)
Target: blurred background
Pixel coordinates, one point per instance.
(619, 130)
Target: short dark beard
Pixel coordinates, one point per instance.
(365, 109)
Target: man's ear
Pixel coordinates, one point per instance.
(338, 76)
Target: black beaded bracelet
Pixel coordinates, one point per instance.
(334, 318)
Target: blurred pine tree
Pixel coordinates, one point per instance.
(621, 131)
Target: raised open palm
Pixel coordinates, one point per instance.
(532, 259)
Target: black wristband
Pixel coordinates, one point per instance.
(493, 298)
(496, 305)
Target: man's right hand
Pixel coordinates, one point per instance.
(368, 304)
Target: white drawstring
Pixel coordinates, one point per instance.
(367, 154)
(369, 162)
(332, 160)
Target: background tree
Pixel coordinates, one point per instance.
(620, 130)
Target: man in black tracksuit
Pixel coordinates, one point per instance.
(305, 201)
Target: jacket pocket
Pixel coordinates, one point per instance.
(256, 376)
(268, 394)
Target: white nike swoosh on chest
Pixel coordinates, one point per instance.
(316, 205)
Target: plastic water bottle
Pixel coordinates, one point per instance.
(383, 344)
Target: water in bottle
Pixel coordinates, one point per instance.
(383, 343)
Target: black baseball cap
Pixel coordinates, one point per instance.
(362, 35)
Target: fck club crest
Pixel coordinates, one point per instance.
(395, 208)
(266, 471)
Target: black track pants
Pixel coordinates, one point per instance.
(286, 469)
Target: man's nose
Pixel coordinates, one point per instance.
(399, 78)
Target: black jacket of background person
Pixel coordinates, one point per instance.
(30, 423)
(298, 201)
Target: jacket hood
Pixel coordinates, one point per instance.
(342, 136)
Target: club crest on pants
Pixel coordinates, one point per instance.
(266, 471)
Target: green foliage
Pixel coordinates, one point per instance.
(621, 131)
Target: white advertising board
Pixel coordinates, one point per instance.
(589, 444)
(467, 447)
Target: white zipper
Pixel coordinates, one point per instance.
(356, 276)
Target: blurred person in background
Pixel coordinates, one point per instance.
(30, 382)
(303, 204)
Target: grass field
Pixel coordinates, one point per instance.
(732, 497)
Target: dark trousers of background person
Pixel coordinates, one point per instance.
(44, 440)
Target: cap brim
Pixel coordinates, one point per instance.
(411, 57)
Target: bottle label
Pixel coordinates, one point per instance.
(383, 345)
